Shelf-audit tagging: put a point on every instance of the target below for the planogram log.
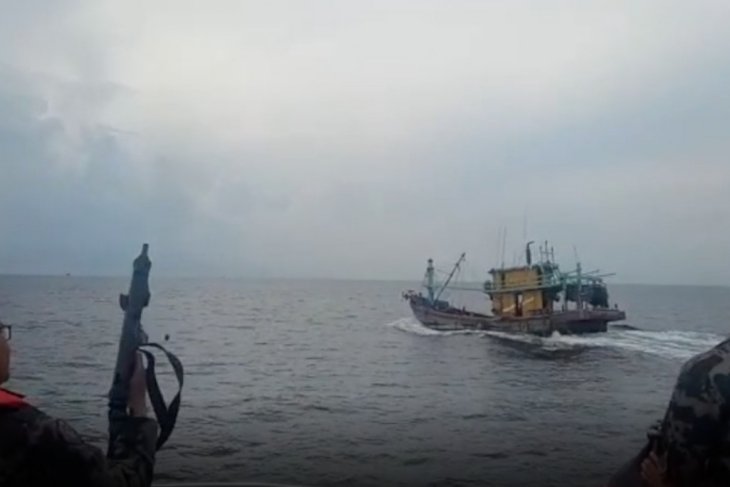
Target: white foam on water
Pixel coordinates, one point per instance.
(674, 344)
(516, 337)
(411, 325)
(549, 344)
(669, 344)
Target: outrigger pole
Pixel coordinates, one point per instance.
(456, 266)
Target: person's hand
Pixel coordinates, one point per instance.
(138, 389)
(652, 472)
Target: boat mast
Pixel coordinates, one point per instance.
(456, 266)
(579, 299)
(429, 280)
(504, 245)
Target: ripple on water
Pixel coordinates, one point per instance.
(322, 382)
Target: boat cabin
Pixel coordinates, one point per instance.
(519, 291)
(536, 289)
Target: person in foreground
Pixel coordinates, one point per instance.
(38, 450)
(691, 446)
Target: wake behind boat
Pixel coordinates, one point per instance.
(536, 298)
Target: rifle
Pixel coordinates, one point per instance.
(133, 338)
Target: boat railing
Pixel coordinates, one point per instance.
(543, 282)
(523, 286)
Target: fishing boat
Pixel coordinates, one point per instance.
(534, 298)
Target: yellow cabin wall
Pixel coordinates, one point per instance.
(504, 304)
(532, 301)
(521, 277)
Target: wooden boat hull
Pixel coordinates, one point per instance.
(564, 322)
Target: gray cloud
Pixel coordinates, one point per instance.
(356, 140)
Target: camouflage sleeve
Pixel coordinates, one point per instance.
(48, 451)
(693, 427)
(131, 457)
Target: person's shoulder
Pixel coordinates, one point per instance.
(20, 420)
(38, 427)
(705, 362)
(710, 368)
(37, 449)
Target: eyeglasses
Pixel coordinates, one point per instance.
(6, 331)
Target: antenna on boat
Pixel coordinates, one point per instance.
(498, 246)
(504, 245)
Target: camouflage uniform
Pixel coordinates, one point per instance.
(36, 450)
(693, 440)
(694, 437)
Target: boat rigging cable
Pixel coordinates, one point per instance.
(133, 339)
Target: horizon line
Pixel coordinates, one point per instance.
(307, 278)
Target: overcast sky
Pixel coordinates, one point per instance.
(358, 138)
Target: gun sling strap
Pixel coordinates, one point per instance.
(166, 415)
